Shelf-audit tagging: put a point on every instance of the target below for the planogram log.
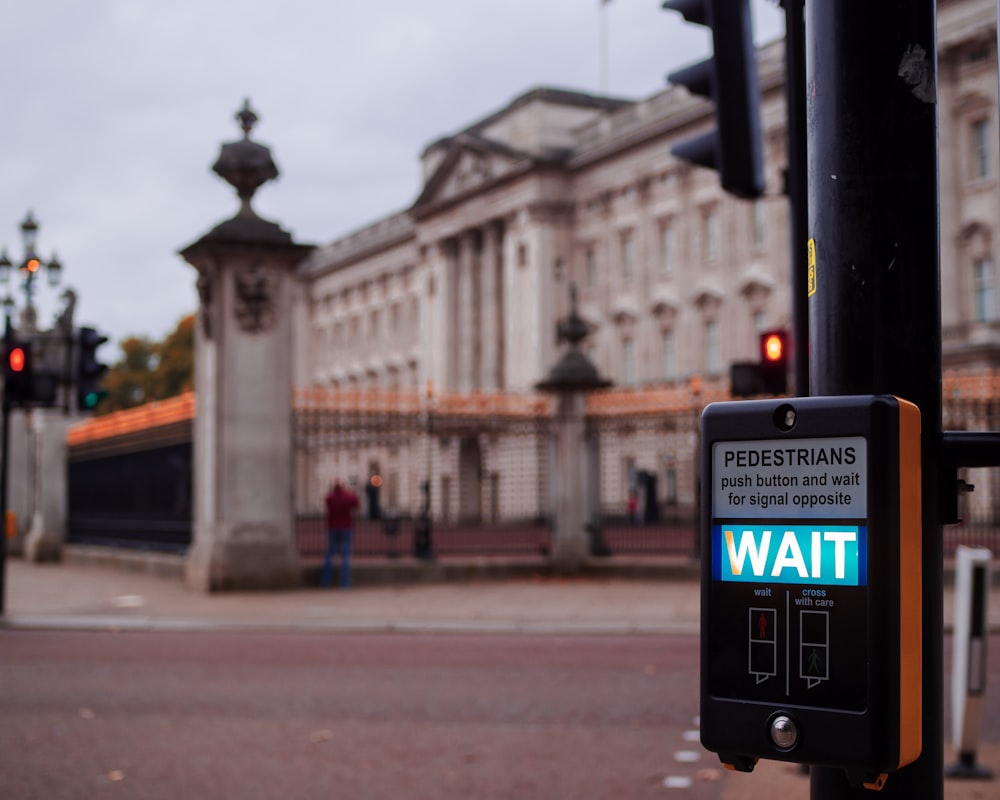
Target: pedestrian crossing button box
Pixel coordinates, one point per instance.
(811, 608)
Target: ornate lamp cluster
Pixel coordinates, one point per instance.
(29, 265)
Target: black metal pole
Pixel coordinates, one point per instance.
(5, 454)
(875, 324)
(797, 187)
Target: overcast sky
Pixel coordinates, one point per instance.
(113, 112)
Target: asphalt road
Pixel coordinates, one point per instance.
(254, 715)
(90, 714)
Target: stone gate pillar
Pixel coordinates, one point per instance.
(575, 475)
(243, 465)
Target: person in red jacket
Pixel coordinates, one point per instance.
(340, 505)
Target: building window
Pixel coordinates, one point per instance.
(627, 256)
(979, 161)
(591, 268)
(758, 223)
(710, 235)
(984, 279)
(669, 356)
(713, 347)
(668, 246)
(628, 361)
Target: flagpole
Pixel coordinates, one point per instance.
(603, 45)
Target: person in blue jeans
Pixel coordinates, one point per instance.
(340, 506)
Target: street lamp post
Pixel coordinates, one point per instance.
(28, 266)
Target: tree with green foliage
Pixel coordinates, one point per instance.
(151, 370)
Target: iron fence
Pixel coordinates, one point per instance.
(971, 402)
(480, 465)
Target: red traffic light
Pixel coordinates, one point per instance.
(16, 359)
(773, 347)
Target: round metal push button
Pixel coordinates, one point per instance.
(784, 732)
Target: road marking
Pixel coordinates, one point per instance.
(677, 782)
(687, 756)
(692, 736)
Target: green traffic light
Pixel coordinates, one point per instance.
(91, 399)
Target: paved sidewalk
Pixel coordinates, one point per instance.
(86, 596)
(87, 591)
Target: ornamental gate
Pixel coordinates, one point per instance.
(486, 459)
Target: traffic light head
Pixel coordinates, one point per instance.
(18, 370)
(90, 371)
(729, 79)
(774, 358)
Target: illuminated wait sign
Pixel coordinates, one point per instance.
(828, 555)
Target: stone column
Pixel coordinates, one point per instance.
(243, 459)
(450, 298)
(46, 533)
(491, 309)
(571, 540)
(465, 332)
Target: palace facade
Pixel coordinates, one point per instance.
(461, 291)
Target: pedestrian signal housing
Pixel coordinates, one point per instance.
(90, 371)
(729, 79)
(17, 371)
(26, 382)
(811, 573)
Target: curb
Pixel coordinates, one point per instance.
(408, 570)
(359, 626)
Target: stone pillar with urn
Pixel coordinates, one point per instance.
(243, 459)
(575, 474)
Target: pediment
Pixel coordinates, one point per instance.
(755, 283)
(707, 294)
(664, 302)
(471, 163)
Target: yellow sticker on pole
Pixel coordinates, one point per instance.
(811, 248)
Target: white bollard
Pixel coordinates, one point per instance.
(968, 676)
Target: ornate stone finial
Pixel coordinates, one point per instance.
(245, 164)
(574, 372)
(247, 118)
(573, 329)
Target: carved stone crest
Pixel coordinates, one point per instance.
(255, 289)
(206, 278)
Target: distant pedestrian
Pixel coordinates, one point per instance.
(633, 507)
(340, 506)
